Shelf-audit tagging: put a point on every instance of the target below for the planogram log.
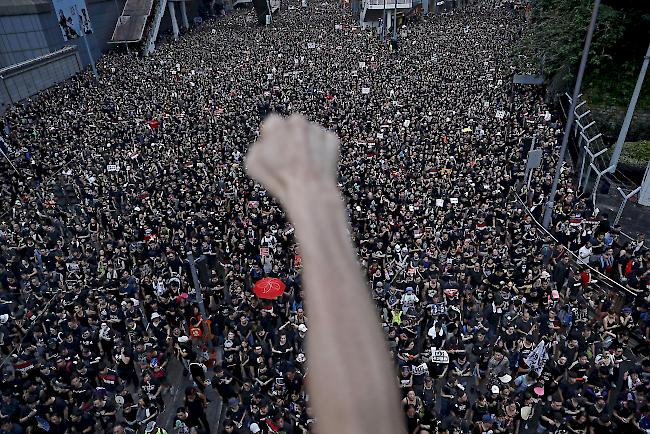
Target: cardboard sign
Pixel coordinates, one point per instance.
(438, 309)
(439, 356)
(112, 168)
(365, 90)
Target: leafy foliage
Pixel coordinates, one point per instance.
(636, 153)
(556, 37)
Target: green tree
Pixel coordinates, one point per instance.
(556, 36)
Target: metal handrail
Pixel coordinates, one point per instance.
(603, 278)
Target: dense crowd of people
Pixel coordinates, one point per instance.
(493, 325)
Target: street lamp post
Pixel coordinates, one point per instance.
(548, 212)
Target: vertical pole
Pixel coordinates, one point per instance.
(620, 210)
(199, 297)
(587, 175)
(644, 193)
(270, 15)
(582, 167)
(594, 191)
(530, 172)
(384, 27)
(172, 14)
(395, 21)
(630, 112)
(90, 55)
(548, 212)
(186, 23)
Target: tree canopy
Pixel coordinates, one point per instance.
(556, 37)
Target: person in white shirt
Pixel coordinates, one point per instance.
(584, 254)
(408, 299)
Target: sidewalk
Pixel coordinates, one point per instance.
(635, 218)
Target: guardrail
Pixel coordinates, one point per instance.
(603, 280)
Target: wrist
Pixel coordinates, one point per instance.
(305, 200)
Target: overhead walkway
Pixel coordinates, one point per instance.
(140, 22)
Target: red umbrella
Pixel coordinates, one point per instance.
(269, 288)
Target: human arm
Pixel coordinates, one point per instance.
(297, 162)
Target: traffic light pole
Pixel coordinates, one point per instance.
(199, 298)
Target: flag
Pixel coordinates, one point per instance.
(537, 358)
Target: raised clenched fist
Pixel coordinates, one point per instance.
(293, 157)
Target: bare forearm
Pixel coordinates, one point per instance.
(354, 397)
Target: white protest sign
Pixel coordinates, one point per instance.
(365, 90)
(440, 202)
(438, 309)
(380, 135)
(362, 64)
(439, 356)
(337, 27)
(311, 45)
(537, 358)
(112, 168)
(500, 114)
(407, 123)
(453, 199)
